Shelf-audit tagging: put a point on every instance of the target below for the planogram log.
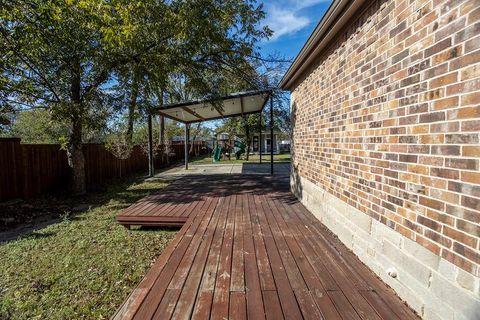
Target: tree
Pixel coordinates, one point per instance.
(208, 42)
(37, 126)
(72, 56)
(5, 119)
(59, 55)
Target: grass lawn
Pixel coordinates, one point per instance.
(82, 267)
(207, 159)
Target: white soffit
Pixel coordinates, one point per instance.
(236, 104)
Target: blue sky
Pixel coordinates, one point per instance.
(292, 22)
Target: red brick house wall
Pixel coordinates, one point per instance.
(387, 121)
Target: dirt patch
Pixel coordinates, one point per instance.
(14, 214)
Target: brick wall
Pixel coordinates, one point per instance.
(388, 122)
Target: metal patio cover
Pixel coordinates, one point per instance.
(232, 105)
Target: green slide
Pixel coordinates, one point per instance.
(241, 146)
(217, 154)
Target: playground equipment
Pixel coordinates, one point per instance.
(240, 148)
(217, 153)
(227, 146)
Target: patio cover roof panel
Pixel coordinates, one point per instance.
(236, 104)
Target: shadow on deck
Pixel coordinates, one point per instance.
(249, 249)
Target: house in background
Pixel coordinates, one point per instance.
(279, 145)
(385, 146)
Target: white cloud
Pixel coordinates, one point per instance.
(284, 16)
(300, 4)
(284, 22)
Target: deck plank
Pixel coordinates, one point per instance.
(205, 295)
(189, 292)
(305, 300)
(272, 304)
(187, 266)
(285, 291)
(340, 272)
(221, 293)
(255, 307)
(399, 309)
(136, 298)
(237, 310)
(312, 253)
(263, 263)
(317, 290)
(237, 281)
(249, 250)
(149, 305)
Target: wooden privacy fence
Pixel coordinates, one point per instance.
(29, 170)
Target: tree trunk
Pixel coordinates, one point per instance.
(132, 104)
(76, 159)
(230, 146)
(192, 140)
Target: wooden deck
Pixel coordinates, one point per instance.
(249, 249)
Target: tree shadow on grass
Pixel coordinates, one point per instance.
(26, 232)
(121, 194)
(34, 215)
(39, 235)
